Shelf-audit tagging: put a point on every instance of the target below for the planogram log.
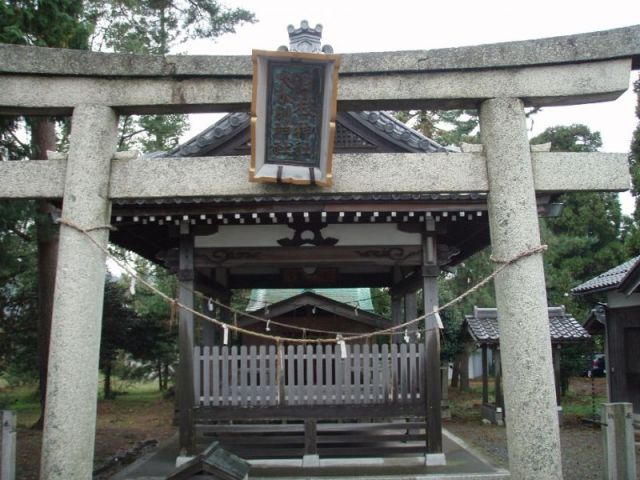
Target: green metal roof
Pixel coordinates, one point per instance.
(360, 297)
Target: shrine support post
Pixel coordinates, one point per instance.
(520, 294)
(396, 304)
(432, 387)
(186, 395)
(411, 310)
(72, 385)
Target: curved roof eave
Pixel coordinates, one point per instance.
(382, 124)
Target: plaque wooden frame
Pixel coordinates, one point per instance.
(264, 169)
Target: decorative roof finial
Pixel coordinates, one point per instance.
(306, 39)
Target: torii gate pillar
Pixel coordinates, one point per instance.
(532, 422)
(72, 384)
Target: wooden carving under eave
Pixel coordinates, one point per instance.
(301, 236)
(293, 114)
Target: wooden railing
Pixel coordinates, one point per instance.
(308, 375)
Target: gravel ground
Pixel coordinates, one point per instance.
(582, 456)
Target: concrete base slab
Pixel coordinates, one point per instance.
(462, 463)
(435, 459)
(369, 462)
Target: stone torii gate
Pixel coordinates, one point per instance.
(498, 79)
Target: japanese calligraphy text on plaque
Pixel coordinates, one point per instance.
(293, 117)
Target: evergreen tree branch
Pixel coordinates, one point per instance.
(22, 145)
(20, 233)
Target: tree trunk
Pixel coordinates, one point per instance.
(47, 233)
(108, 394)
(166, 375)
(464, 371)
(564, 383)
(455, 373)
(159, 371)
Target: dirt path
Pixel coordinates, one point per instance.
(582, 455)
(119, 429)
(581, 446)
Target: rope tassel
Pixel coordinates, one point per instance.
(343, 346)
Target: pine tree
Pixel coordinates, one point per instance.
(446, 127)
(137, 26)
(46, 23)
(154, 27)
(632, 227)
(586, 239)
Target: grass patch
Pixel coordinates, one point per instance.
(139, 393)
(25, 400)
(466, 405)
(21, 398)
(577, 403)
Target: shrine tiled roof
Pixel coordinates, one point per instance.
(224, 128)
(609, 280)
(482, 326)
(360, 297)
(382, 123)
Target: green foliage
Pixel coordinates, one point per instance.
(137, 338)
(136, 26)
(11, 146)
(584, 241)
(154, 26)
(466, 276)
(44, 23)
(17, 291)
(117, 318)
(152, 338)
(381, 302)
(151, 133)
(240, 299)
(20, 398)
(446, 127)
(47, 23)
(634, 155)
(571, 138)
(632, 227)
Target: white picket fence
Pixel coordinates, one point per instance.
(308, 375)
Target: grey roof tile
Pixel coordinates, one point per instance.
(483, 326)
(387, 125)
(609, 280)
(381, 122)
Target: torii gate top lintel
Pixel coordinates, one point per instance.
(585, 47)
(594, 67)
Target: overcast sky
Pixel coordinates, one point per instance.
(368, 26)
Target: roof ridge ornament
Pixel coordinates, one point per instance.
(306, 39)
